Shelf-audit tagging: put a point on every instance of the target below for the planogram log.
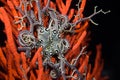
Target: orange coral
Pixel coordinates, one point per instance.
(16, 65)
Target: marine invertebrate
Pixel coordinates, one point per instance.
(46, 39)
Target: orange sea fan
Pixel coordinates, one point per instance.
(47, 40)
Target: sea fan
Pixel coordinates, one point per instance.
(47, 40)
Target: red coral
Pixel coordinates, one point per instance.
(16, 64)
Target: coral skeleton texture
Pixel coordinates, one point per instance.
(48, 40)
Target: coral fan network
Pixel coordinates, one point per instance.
(47, 40)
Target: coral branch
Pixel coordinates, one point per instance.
(10, 40)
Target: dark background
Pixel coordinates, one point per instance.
(107, 33)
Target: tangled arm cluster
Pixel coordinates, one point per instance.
(46, 41)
